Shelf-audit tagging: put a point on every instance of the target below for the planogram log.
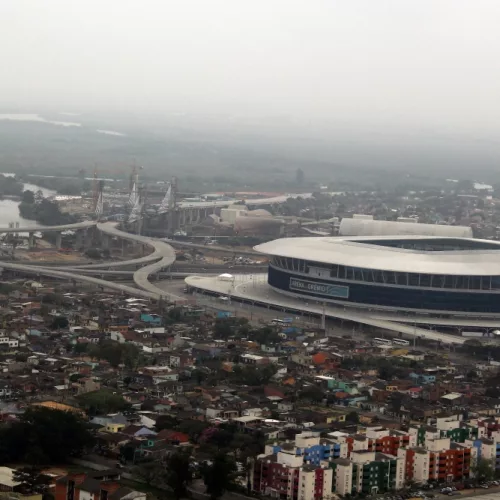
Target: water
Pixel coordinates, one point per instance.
(9, 209)
(34, 117)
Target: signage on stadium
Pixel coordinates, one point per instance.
(319, 288)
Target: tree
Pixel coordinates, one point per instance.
(472, 343)
(80, 347)
(59, 322)
(39, 196)
(387, 370)
(312, 393)
(198, 376)
(352, 417)
(28, 197)
(178, 474)
(166, 422)
(149, 472)
(31, 480)
(93, 253)
(174, 314)
(223, 328)
(43, 435)
(218, 476)
(194, 429)
(44, 211)
(116, 354)
(275, 415)
(102, 401)
(483, 470)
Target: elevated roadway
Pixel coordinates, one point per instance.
(215, 248)
(257, 291)
(54, 273)
(162, 251)
(451, 322)
(48, 229)
(248, 201)
(163, 256)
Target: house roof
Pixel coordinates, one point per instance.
(7, 477)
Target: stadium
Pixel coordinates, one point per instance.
(409, 274)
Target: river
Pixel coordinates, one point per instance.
(9, 209)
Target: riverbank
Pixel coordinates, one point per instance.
(9, 204)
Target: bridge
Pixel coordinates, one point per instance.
(79, 227)
(161, 258)
(276, 200)
(187, 244)
(48, 229)
(248, 290)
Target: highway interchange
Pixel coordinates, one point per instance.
(258, 294)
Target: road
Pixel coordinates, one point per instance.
(252, 202)
(48, 229)
(162, 257)
(215, 248)
(256, 291)
(259, 315)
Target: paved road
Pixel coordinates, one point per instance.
(456, 321)
(48, 229)
(260, 201)
(256, 290)
(54, 273)
(215, 248)
(162, 257)
(162, 251)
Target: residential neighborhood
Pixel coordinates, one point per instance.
(284, 409)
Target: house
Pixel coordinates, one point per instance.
(7, 482)
(85, 384)
(137, 431)
(90, 487)
(172, 437)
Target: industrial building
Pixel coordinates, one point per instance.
(361, 225)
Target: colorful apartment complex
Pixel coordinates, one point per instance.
(312, 448)
(285, 475)
(375, 460)
(440, 461)
(367, 472)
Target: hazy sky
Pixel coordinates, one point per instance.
(429, 63)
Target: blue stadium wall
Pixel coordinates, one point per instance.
(384, 295)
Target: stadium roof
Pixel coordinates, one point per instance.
(369, 227)
(363, 252)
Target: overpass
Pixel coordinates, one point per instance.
(187, 244)
(72, 276)
(31, 230)
(162, 257)
(48, 229)
(258, 292)
(458, 322)
(248, 201)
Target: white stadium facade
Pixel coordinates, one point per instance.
(438, 275)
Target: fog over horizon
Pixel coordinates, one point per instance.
(418, 64)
